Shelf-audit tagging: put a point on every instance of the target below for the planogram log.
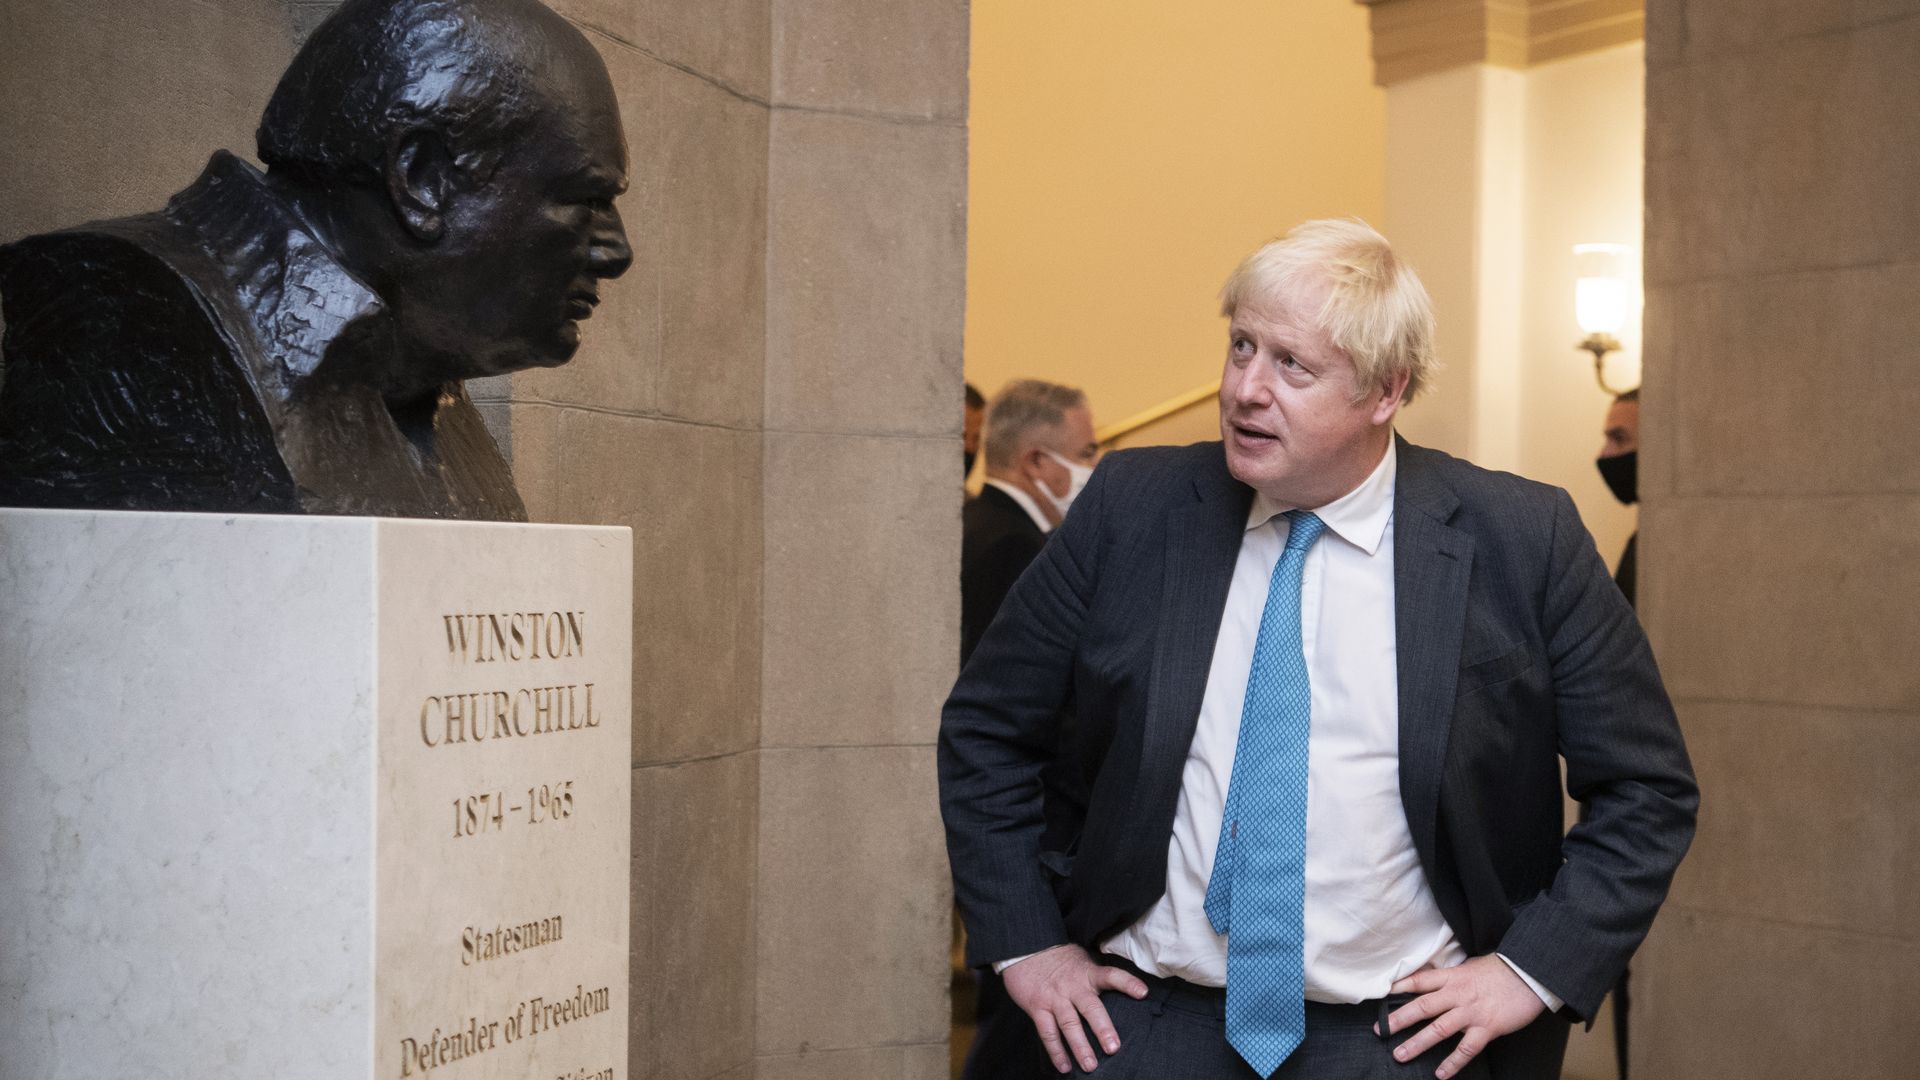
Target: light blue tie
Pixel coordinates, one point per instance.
(1259, 868)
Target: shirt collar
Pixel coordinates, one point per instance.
(1026, 503)
(1359, 517)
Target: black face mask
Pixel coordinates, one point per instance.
(1622, 474)
(968, 454)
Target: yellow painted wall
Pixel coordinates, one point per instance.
(1124, 154)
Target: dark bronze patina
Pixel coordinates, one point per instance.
(438, 205)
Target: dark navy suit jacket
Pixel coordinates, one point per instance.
(1514, 649)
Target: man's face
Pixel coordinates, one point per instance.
(1297, 427)
(1622, 433)
(522, 256)
(1072, 440)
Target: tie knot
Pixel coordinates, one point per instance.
(1306, 529)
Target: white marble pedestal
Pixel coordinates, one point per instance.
(312, 798)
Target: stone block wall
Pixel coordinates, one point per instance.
(866, 269)
(106, 108)
(769, 398)
(1780, 530)
(770, 406)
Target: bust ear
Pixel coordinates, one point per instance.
(420, 178)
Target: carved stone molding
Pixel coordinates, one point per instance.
(1418, 37)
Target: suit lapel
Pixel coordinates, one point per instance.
(1202, 545)
(1431, 566)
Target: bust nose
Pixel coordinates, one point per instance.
(609, 255)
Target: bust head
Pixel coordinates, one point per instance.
(462, 157)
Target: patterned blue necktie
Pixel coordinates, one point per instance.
(1259, 868)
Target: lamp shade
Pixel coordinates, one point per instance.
(1603, 287)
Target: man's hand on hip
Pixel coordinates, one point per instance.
(1059, 989)
(1479, 1000)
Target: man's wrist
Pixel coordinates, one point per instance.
(1547, 997)
(1000, 966)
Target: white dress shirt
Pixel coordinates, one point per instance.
(1370, 917)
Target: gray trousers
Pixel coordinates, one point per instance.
(1179, 1033)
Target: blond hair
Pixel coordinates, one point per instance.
(1376, 310)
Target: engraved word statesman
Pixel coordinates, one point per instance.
(438, 205)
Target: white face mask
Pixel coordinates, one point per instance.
(1077, 477)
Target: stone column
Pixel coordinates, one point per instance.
(656, 424)
(770, 398)
(107, 108)
(1454, 160)
(866, 275)
(1780, 555)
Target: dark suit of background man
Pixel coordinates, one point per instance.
(974, 418)
(1324, 678)
(1040, 452)
(1619, 465)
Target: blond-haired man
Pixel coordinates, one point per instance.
(1324, 678)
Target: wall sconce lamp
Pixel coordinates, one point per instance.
(1602, 300)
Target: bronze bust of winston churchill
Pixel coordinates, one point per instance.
(437, 205)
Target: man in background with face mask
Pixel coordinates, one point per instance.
(1619, 467)
(1040, 452)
